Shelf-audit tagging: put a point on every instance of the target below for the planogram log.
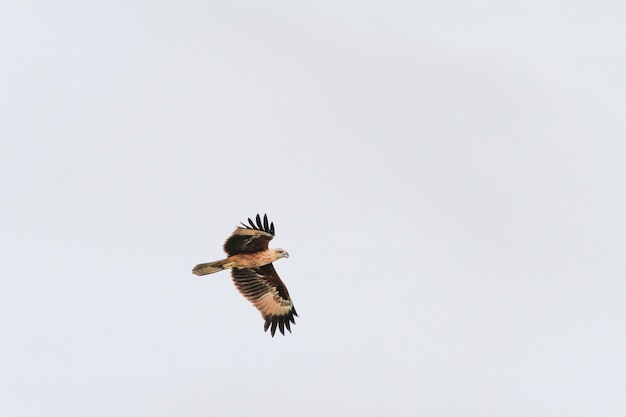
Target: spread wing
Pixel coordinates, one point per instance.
(250, 239)
(263, 288)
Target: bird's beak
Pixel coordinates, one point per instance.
(286, 255)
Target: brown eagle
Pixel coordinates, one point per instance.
(250, 261)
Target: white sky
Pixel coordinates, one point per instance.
(447, 178)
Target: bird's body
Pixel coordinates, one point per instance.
(241, 260)
(253, 273)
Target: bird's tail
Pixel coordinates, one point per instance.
(210, 268)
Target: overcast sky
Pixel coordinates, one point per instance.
(449, 180)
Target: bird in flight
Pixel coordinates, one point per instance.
(250, 261)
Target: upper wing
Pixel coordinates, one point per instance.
(250, 239)
(263, 287)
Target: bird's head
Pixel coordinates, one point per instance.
(281, 253)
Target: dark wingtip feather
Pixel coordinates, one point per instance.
(265, 223)
(279, 322)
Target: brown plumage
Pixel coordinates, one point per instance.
(253, 273)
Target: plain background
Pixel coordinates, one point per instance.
(448, 179)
